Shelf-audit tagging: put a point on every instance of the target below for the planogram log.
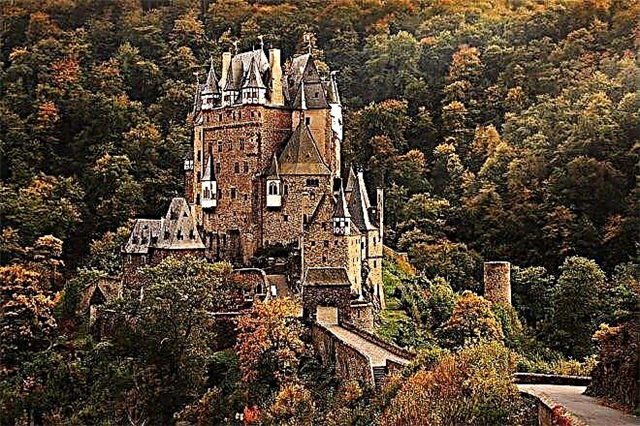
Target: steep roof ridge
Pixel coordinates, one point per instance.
(301, 155)
(211, 85)
(179, 222)
(358, 206)
(253, 79)
(209, 171)
(341, 209)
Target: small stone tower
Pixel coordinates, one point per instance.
(497, 282)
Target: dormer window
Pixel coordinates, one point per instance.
(273, 188)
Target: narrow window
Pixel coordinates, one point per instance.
(198, 155)
(233, 194)
(241, 144)
(307, 120)
(236, 168)
(246, 167)
(219, 146)
(199, 177)
(217, 167)
(286, 189)
(286, 218)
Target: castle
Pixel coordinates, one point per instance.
(265, 173)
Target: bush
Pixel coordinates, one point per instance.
(472, 322)
(510, 324)
(474, 386)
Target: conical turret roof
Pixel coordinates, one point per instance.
(211, 85)
(253, 78)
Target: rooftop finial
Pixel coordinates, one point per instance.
(261, 37)
(235, 46)
(307, 38)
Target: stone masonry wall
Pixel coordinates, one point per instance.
(349, 363)
(322, 248)
(497, 282)
(285, 225)
(329, 295)
(242, 141)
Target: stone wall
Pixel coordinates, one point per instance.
(322, 248)
(361, 316)
(285, 225)
(242, 141)
(338, 296)
(348, 362)
(497, 282)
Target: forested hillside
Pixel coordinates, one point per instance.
(500, 129)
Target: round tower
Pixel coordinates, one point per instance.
(497, 282)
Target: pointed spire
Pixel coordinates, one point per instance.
(303, 98)
(211, 85)
(209, 172)
(253, 78)
(351, 180)
(341, 210)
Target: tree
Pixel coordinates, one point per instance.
(473, 386)
(166, 328)
(269, 345)
(580, 287)
(472, 322)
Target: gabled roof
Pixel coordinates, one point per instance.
(301, 156)
(145, 234)
(325, 276)
(179, 228)
(351, 180)
(303, 68)
(211, 85)
(358, 204)
(209, 172)
(252, 78)
(241, 64)
(341, 209)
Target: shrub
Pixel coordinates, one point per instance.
(472, 322)
(474, 386)
(510, 324)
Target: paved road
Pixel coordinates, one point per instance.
(377, 354)
(585, 408)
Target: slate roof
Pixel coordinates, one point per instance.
(209, 171)
(241, 64)
(253, 77)
(211, 85)
(303, 68)
(179, 228)
(176, 231)
(341, 209)
(145, 234)
(100, 290)
(325, 276)
(351, 180)
(359, 205)
(301, 156)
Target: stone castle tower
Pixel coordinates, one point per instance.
(265, 170)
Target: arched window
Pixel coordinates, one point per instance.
(273, 188)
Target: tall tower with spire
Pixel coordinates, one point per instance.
(265, 169)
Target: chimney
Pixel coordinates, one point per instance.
(276, 77)
(497, 282)
(226, 63)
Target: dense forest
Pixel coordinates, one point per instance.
(500, 130)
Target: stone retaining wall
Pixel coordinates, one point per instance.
(402, 353)
(349, 363)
